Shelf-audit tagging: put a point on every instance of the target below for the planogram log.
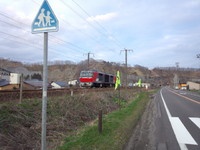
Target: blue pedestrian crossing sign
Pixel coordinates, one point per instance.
(45, 20)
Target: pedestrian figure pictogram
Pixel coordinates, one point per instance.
(45, 20)
(41, 18)
(48, 19)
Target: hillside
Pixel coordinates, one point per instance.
(66, 70)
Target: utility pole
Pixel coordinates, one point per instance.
(198, 56)
(177, 65)
(126, 78)
(21, 88)
(88, 60)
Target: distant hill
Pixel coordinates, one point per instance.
(9, 63)
(67, 70)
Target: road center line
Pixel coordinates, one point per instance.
(182, 135)
(195, 101)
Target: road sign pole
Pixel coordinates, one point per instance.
(44, 93)
(45, 21)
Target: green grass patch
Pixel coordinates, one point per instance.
(117, 128)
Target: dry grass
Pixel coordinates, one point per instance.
(20, 125)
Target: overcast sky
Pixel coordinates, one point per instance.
(160, 32)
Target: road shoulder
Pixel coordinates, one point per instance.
(143, 135)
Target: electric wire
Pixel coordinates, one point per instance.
(91, 25)
(59, 41)
(92, 38)
(88, 22)
(103, 28)
(31, 44)
(71, 44)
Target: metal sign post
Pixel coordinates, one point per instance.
(44, 92)
(44, 22)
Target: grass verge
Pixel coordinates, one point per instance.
(117, 128)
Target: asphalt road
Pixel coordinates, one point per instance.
(177, 122)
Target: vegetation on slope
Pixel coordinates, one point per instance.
(20, 124)
(117, 127)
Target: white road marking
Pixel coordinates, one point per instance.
(195, 121)
(167, 110)
(183, 146)
(182, 135)
(183, 93)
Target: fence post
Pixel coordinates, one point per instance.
(72, 93)
(21, 89)
(100, 121)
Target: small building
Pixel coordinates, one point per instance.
(4, 74)
(145, 85)
(59, 84)
(73, 83)
(15, 78)
(5, 85)
(27, 74)
(193, 85)
(33, 84)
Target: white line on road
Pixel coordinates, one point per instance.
(167, 110)
(195, 121)
(182, 135)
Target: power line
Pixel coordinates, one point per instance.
(17, 37)
(2, 14)
(51, 35)
(78, 14)
(58, 39)
(54, 38)
(25, 41)
(92, 38)
(13, 25)
(37, 35)
(32, 44)
(36, 2)
(103, 28)
(69, 43)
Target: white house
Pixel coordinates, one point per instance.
(15, 78)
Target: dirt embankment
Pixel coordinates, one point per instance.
(20, 125)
